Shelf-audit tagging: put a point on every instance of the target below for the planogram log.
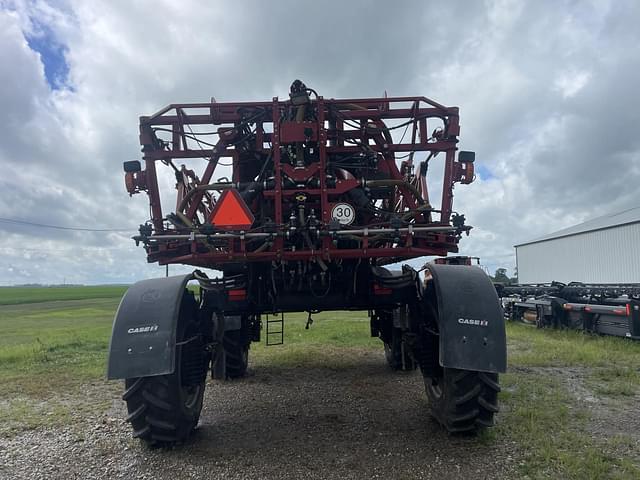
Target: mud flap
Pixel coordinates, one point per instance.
(144, 330)
(470, 319)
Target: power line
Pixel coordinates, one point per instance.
(60, 227)
(71, 249)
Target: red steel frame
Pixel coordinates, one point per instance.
(170, 244)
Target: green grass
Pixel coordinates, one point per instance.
(334, 339)
(50, 351)
(50, 346)
(20, 295)
(542, 347)
(613, 363)
(53, 353)
(550, 427)
(544, 416)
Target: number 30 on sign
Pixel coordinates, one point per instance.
(343, 213)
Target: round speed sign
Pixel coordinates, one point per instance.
(343, 213)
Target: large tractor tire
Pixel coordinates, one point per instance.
(236, 350)
(164, 409)
(463, 400)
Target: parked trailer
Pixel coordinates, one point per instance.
(607, 309)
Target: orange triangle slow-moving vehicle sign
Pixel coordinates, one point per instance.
(231, 212)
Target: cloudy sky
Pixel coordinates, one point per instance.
(548, 95)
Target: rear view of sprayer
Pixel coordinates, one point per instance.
(301, 203)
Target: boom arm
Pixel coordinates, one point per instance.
(319, 179)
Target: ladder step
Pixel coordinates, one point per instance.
(275, 335)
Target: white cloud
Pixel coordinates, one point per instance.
(570, 83)
(547, 92)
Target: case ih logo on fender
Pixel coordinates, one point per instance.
(470, 321)
(145, 329)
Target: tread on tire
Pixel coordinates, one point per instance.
(236, 349)
(394, 354)
(463, 400)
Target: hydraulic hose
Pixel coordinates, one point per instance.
(262, 247)
(385, 129)
(421, 209)
(396, 183)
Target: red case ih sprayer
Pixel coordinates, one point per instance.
(316, 196)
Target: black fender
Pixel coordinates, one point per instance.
(143, 338)
(470, 320)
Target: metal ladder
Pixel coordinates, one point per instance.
(275, 337)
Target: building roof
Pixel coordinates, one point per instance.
(632, 215)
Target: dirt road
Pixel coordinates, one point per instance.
(320, 422)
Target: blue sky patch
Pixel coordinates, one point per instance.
(52, 54)
(484, 173)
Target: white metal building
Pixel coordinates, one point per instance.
(602, 250)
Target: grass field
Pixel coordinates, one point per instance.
(22, 295)
(53, 345)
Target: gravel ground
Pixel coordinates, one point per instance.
(357, 422)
